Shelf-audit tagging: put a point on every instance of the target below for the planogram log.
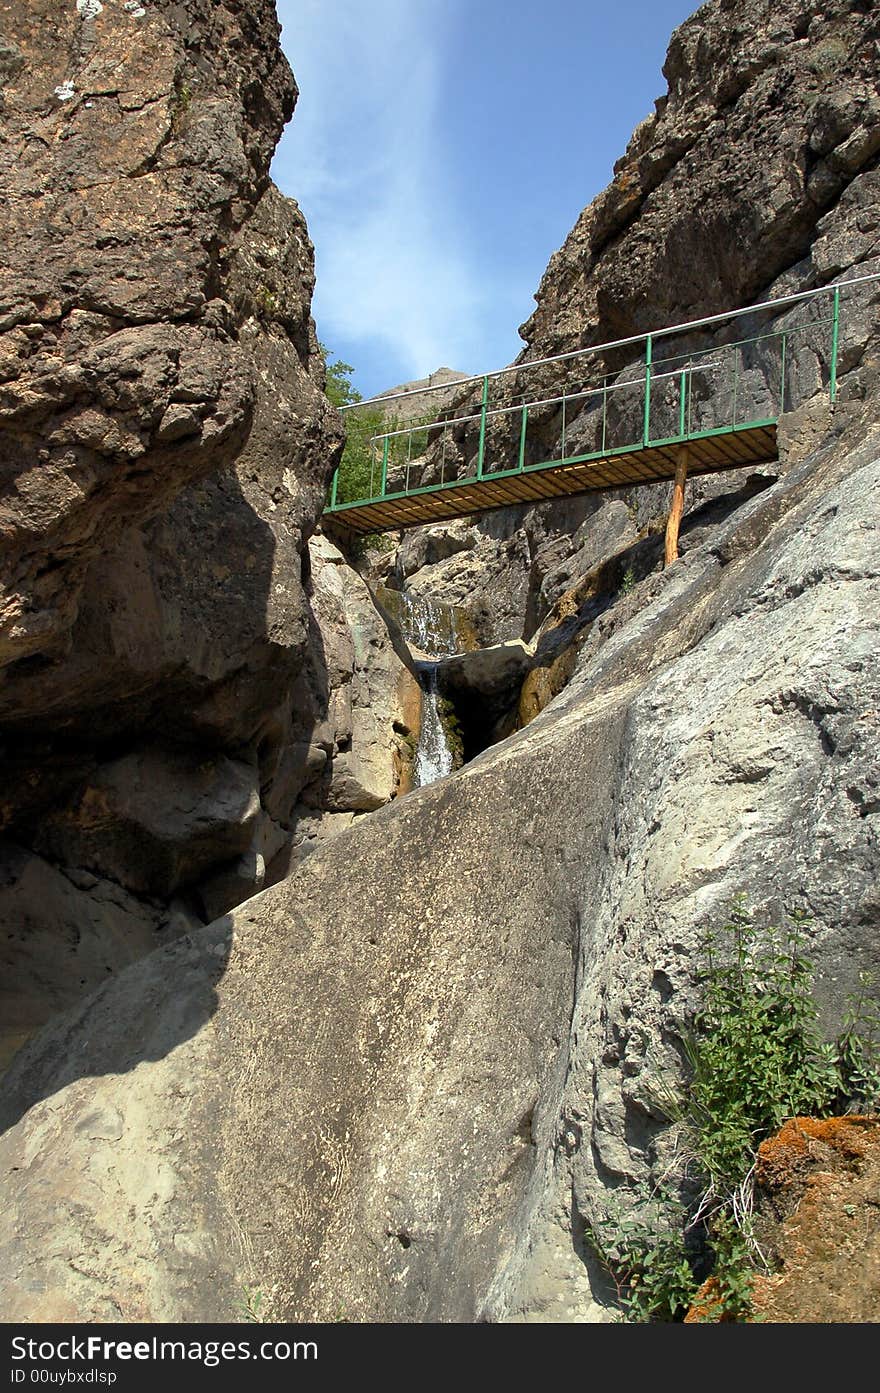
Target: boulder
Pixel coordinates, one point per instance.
(156, 819)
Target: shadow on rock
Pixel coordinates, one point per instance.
(163, 1001)
(150, 772)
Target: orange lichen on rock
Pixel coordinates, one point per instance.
(784, 1159)
(818, 1212)
(707, 1307)
(817, 1217)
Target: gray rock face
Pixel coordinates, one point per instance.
(343, 742)
(510, 999)
(371, 688)
(62, 934)
(405, 410)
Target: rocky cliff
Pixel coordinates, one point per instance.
(755, 176)
(402, 1083)
(166, 447)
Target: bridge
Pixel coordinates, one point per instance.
(683, 400)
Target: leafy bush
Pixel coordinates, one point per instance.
(360, 470)
(756, 1058)
(755, 1050)
(644, 1252)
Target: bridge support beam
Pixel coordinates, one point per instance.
(677, 506)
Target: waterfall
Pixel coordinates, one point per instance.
(434, 757)
(434, 630)
(429, 625)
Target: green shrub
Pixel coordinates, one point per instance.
(644, 1252)
(755, 1051)
(360, 470)
(756, 1058)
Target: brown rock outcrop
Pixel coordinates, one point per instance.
(817, 1185)
(164, 434)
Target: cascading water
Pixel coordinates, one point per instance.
(429, 625)
(433, 630)
(434, 758)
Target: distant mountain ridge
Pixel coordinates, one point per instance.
(409, 409)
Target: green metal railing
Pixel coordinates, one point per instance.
(662, 398)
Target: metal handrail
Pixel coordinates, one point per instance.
(644, 376)
(836, 286)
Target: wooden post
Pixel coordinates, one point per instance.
(677, 506)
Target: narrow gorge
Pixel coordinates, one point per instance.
(352, 891)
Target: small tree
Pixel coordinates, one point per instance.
(360, 468)
(339, 389)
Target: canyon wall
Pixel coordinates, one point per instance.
(402, 1083)
(755, 176)
(166, 448)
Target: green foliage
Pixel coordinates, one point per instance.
(733, 1269)
(339, 388)
(452, 727)
(360, 469)
(367, 430)
(857, 1051)
(368, 544)
(757, 1058)
(628, 583)
(644, 1253)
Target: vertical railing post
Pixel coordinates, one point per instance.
(562, 439)
(646, 432)
(604, 411)
(782, 376)
(334, 488)
(522, 436)
(735, 384)
(835, 333)
(385, 448)
(682, 403)
(482, 451)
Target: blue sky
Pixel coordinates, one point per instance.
(441, 150)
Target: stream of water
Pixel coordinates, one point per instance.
(434, 757)
(433, 629)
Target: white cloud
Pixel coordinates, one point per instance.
(364, 157)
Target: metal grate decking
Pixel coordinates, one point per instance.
(654, 464)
